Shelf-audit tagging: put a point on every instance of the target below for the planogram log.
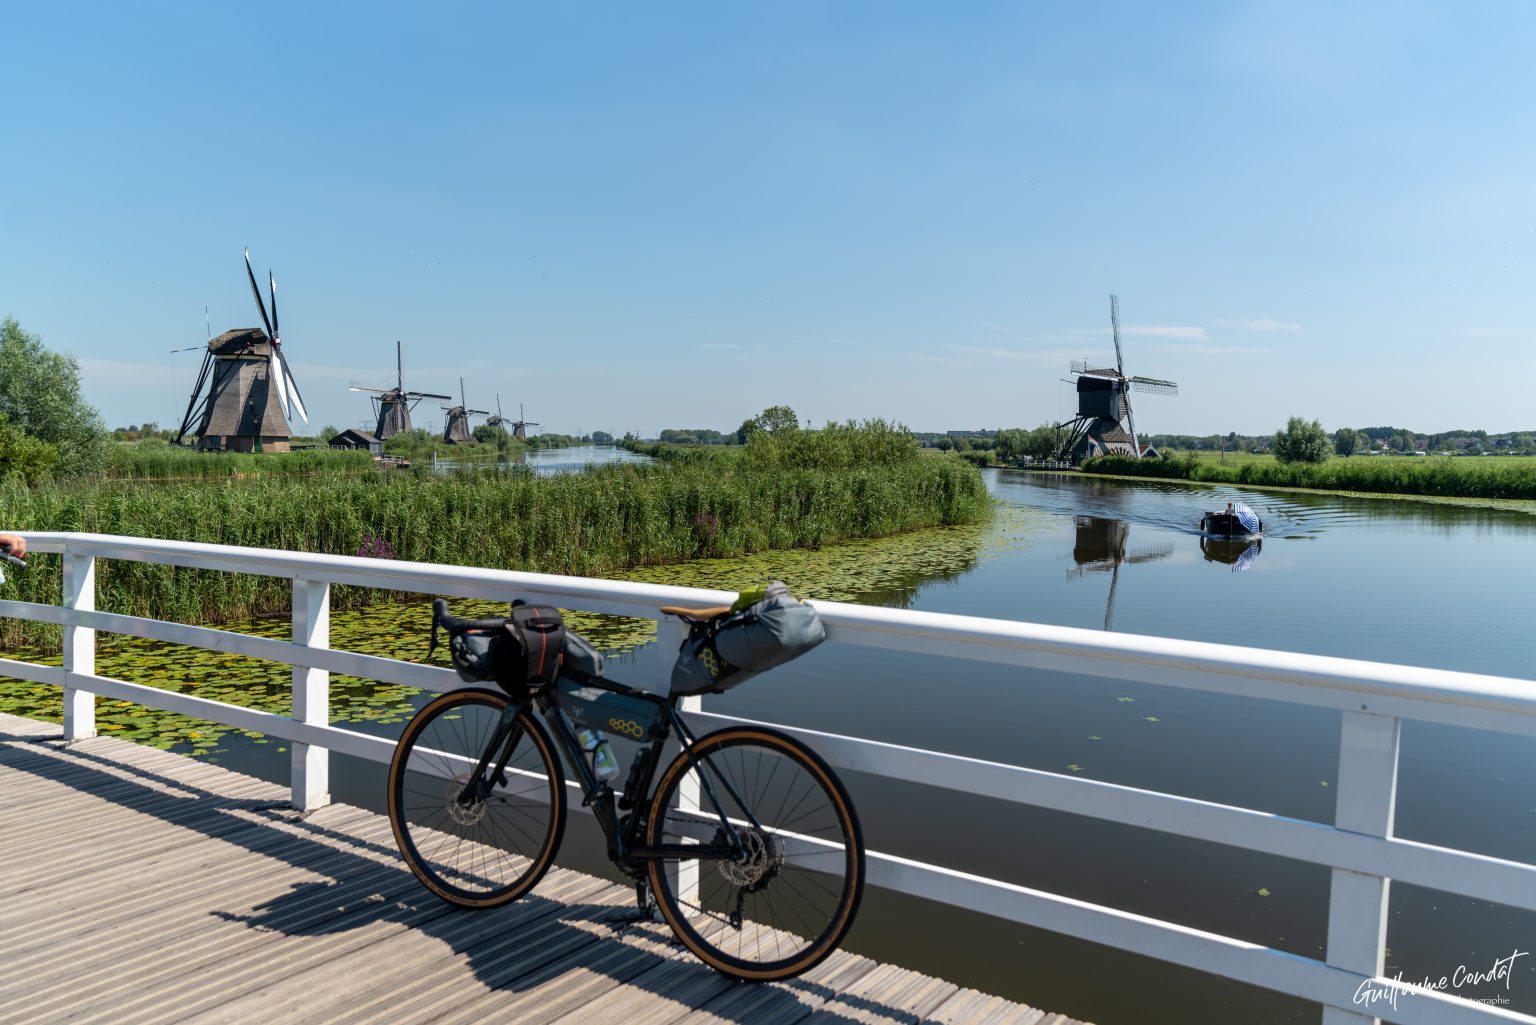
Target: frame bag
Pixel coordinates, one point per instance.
(729, 650)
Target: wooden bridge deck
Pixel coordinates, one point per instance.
(138, 886)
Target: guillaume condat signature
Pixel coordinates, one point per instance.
(1374, 991)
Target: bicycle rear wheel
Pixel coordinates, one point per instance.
(787, 903)
(491, 849)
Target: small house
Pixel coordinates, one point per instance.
(352, 438)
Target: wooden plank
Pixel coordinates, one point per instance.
(144, 888)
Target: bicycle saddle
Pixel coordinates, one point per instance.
(694, 615)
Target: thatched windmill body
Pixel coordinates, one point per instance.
(245, 391)
(457, 430)
(1104, 424)
(392, 406)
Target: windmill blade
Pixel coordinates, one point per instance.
(256, 292)
(1114, 323)
(272, 285)
(1154, 386)
(363, 387)
(295, 398)
(275, 368)
(427, 395)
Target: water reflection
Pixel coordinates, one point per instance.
(1239, 554)
(1099, 546)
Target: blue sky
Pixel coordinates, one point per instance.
(630, 217)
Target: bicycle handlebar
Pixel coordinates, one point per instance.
(440, 614)
(6, 556)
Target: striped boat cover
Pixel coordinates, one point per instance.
(1247, 517)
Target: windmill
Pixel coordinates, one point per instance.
(250, 389)
(520, 426)
(393, 406)
(457, 431)
(1103, 424)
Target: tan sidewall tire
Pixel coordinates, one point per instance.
(846, 910)
(534, 729)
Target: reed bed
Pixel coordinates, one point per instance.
(1462, 476)
(601, 521)
(169, 462)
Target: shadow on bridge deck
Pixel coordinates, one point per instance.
(140, 886)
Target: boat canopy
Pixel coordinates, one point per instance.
(1246, 516)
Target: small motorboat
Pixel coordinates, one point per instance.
(1237, 521)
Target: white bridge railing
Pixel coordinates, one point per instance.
(1371, 698)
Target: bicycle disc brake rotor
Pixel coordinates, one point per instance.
(760, 856)
(463, 814)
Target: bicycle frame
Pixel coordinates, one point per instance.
(624, 834)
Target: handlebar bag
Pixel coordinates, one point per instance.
(520, 656)
(727, 651)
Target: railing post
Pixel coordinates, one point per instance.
(669, 636)
(311, 764)
(79, 647)
(1367, 803)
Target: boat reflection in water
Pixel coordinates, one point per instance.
(1100, 546)
(1239, 554)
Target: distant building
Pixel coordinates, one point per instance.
(352, 438)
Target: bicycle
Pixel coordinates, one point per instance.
(746, 842)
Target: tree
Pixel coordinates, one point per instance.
(1010, 444)
(1042, 442)
(778, 419)
(1345, 441)
(602, 438)
(40, 397)
(24, 456)
(1301, 442)
(1016, 443)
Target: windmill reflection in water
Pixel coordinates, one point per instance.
(1100, 547)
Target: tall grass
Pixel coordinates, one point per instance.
(603, 520)
(171, 462)
(1450, 476)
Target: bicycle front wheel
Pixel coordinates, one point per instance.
(785, 904)
(475, 850)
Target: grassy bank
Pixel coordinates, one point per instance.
(593, 523)
(1462, 477)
